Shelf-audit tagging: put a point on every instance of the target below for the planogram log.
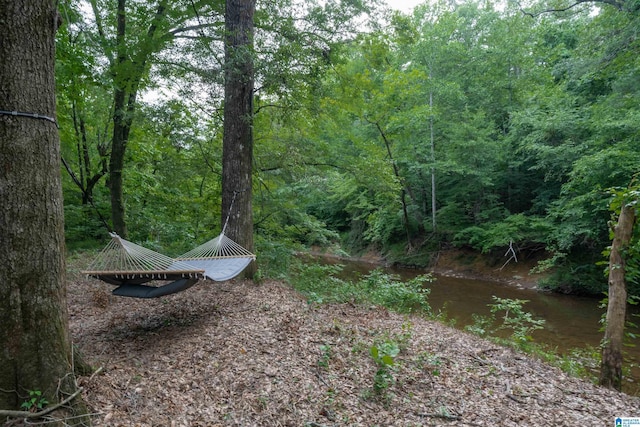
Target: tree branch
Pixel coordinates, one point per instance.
(108, 51)
(441, 416)
(617, 4)
(26, 414)
(331, 165)
(197, 27)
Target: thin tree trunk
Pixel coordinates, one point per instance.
(87, 180)
(121, 128)
(237, 157)
(128, 73)
(611, 366)
(433, 160)
(35, 349)
(405, 189)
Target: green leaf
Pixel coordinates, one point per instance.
(387, 360)
(374, 352)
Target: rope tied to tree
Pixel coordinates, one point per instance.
(30, 115)
(233, 199)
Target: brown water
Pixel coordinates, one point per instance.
(570, 321)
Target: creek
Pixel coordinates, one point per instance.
(571, 322)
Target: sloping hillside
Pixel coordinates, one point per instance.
(258, 355)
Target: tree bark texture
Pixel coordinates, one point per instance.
(237, 157)
(611, 366)
(35, 350)
(121, 129)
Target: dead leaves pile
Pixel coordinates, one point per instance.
(240, 354)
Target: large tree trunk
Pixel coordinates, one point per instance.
(35, 350)
(237, 157)
(611, 367)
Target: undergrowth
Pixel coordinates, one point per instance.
(321, 283)
(509, 315)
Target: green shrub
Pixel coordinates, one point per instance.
(275, 258)
(390, 291)
(384, 355)
(321, 283)
(520, 322)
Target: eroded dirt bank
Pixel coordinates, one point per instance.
(240, 354)
(462, 263)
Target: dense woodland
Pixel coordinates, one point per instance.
(465, 124)
(292, 125)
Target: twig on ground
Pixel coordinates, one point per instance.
(97, 371)
(441, 416)
(516, 399)
(26, 414)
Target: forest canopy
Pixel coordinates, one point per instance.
(469, 124)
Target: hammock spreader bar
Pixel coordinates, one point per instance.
(219, 247)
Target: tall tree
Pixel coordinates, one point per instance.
(132, 37)
(128, 70)
(35, 347)
(237, 154)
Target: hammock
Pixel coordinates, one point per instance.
(220, 258)
(128, 266)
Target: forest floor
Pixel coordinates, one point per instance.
(245, 354)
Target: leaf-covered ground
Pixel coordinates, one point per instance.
(241, 354)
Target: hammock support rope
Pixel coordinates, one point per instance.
(128, 266)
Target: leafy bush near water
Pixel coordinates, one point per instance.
(321, 283)
(513, 317)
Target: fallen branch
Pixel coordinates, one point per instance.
(512, 257)
(481, 361)
(441, 416)
(322, 379)
(27, 414)
(516, 399)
